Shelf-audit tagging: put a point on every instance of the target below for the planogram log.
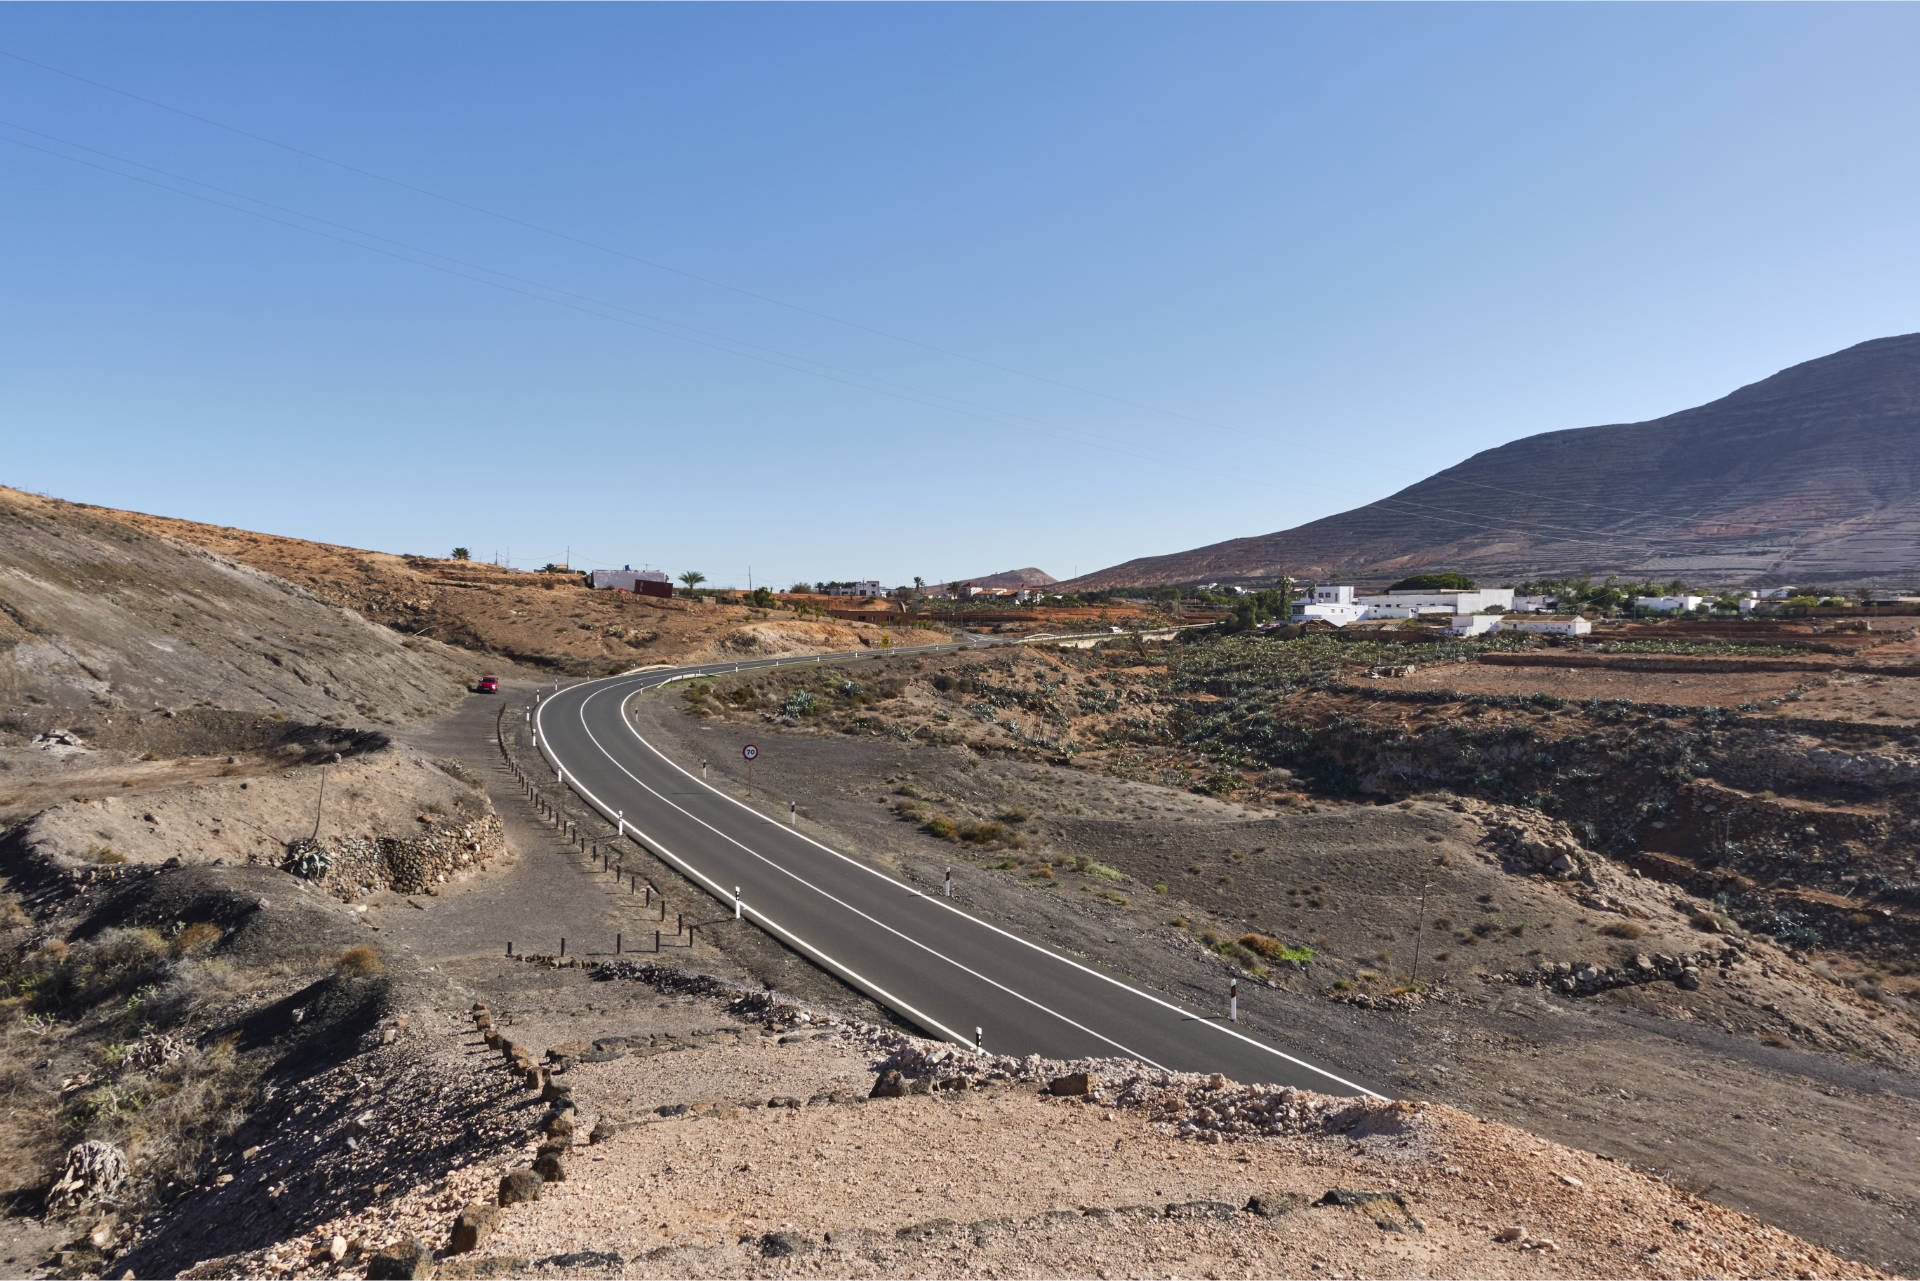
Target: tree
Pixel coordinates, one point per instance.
(919, 583)
(800, 589)
(1434, 583)
(761, 597)
(461, 553)
(692, 578)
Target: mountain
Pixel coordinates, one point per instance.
(1810, 476)
(1028, 577)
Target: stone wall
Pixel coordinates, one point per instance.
(349, 866)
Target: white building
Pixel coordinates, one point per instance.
(1535, 604)
(871, 587)
(1473, 624)
(1546, 624)
(1413, 604)
(627, 579)
(1668, 604)
(1334, 605)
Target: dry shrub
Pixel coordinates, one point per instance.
(1621, 930)
(197, 938)
(360, 960)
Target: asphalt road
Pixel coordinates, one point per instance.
(950, 973)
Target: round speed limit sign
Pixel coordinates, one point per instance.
(749, 751)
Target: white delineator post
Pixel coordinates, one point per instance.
(620, 818)
(1233, 1000)
(793, 813)
(736, 902)
(703, 769)
(949, 882)
(979, 1040)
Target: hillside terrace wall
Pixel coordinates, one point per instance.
(1681, 663)
(356, 865)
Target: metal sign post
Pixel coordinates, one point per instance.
(751, 753)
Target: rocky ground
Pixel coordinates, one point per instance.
(1562, 1002)
(715, 1133)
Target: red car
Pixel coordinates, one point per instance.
(488, 685)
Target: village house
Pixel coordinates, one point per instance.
(1668, 604)
(871, 587)
(644, 582)
(1334, 605)
(1546, 624)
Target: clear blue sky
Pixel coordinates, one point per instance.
(1287, 258)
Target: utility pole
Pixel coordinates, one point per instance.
(1418, 931)
(320, 804)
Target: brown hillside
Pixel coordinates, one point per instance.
(1028, 577)
(1808, 475)
(545, 619)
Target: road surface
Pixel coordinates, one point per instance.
(952, 974)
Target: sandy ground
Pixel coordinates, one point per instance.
(241, 814)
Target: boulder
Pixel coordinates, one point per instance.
(472, 1226)
(410, 1260)
(536, 1080)
(548, 1163)
(890, 1085)
(521, 1185)
(554, 1090)
(1071, 1084)
(557, 1123)
(1688, 980)
(1512, 1232)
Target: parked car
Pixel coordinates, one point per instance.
(488, 685)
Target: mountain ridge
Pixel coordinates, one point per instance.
(1812, 473)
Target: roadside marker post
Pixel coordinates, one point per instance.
(703, 770)
(979, 1040)
(793, 813)
(949, 882)
(1233, 1000)
(736, 902)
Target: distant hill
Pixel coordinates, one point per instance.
(1028, 577)
(1812, 475)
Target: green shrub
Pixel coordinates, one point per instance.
(943, 828)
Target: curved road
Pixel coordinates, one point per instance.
(944, 970)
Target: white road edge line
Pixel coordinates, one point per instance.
(940, 902)
(840, 902)
(860, 981)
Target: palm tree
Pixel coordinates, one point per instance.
(692, 578)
